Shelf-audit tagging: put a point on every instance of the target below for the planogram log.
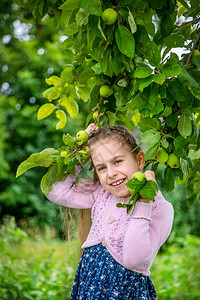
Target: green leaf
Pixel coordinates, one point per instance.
(68, 43)
(151, 137)
(125, 41)
(159, 78)
(181, 146)
(70, 5)
(60, 114)
(86, 173)
(101, 30)
(84, 73)
(81, 18)
(66, 75)
(34, 160)
(152, 53)
(155, 99)
(142, 72)
(131, 22)
(71, 105)
(151, 152)
(92, 7)
(53, 80)
(196, 60)
(107, 62)
(145, 82)
(83, 92)
(111, 117)
(149, 123)
(149, 190)
(185, 126)
(166, 25)
(172, 120)
(177, 90)
(157, 4)
(184, 3)
(171, 69)
(52, 93)
(48, 180)
(174, 40)
(169, 179)
(71, 29)
(187, 80)
(45, 110)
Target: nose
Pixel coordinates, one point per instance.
(111, 171)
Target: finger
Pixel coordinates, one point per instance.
(150, 175)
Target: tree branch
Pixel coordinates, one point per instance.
(194, 45)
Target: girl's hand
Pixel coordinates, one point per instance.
(91, 128)
(150, 175)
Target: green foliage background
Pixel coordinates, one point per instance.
(23, 80)
(31, 50)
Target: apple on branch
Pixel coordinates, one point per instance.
(82, 136)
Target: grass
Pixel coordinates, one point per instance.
(44, 268)
(176, 272)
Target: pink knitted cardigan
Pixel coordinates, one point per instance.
(133, 239)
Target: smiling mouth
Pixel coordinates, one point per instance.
(118, 183)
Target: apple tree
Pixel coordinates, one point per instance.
(126, 66)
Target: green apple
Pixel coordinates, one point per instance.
(109, 16)
(162, 156)
(82, 136)
(196, 52)
(95, 115)
(173, 161)
(64, 153)
(138, 175)
(105, 91)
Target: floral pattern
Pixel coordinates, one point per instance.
(100, 276)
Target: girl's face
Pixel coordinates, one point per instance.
(115, 164)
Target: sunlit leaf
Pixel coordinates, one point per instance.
(52, 93)
(60, 114)
(34, 160)
(53, 80)
(45, 110)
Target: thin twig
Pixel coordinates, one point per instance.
(193, 47)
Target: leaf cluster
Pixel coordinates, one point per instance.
(60, 162)
(139, 189)
(135, 56)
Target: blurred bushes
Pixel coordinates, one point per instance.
(30, 52)
(43, 267)
(32, 269)
(176, 273)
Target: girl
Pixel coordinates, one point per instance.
(120, 248)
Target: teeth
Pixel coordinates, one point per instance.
(118, 182)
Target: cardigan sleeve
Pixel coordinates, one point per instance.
(149, 227)
(76, 195)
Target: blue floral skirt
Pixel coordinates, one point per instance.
(100, 276)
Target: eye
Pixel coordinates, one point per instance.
(118, 161)
(101, 169)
